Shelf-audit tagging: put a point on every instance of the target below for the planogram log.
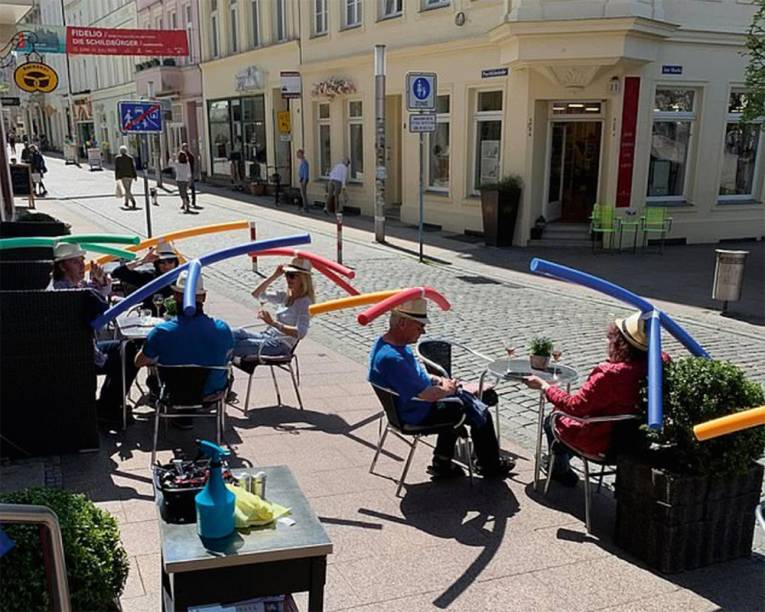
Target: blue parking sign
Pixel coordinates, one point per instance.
(142, 117)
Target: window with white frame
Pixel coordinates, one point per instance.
(742, 143)
(674, 113)
(320, 17)
(189, 26)
(214, 50)
(487, 130)
(438, 147)
(324, 149)
(352, 13)
(427, 4)
(390, 8)
(356, 140)
(233, 9)
(173, 19)
(280, 20)
(255, 22)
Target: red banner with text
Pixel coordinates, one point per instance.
(627, 142)
(111, 41)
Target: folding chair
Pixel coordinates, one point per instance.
(403, 432)
(602, 222)
(655, 221)
(181, 387)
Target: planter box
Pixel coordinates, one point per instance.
(674, 522)
(16, 275)
(499, 210)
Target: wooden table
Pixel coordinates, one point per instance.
(271, 560)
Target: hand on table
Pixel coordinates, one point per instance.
(534, 382)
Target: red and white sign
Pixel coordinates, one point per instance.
(627, 143)
(109, 41)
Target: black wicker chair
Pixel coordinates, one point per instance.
(19, 275)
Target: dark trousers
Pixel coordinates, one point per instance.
(562, 454)
(484, 437)
(110, 400)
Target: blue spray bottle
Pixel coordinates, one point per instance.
(215, 503)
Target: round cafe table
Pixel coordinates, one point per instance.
(514, 370)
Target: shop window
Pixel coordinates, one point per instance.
(740, 153)
(438, 148)
(487, 129)
(280, 20)
(390, 8)
(323, 138)
(214, 34)
(234, 25)
(356, 140)
(255, 22)
(220, 136)
(352, 14)
(320, 17)
(254, 135)
(673, 119)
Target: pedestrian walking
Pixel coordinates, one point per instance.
(337, 180)
(125, 174)
(235, 157)
(12, 143)
(25, 152)
(37, 163)
(193, 181)
(182, 179)
(303, 174)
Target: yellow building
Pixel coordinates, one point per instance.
(624, 103)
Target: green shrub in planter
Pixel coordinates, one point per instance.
(96, 562)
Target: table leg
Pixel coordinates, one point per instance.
(318, 578)
(634, 242)
(621, 231)
(538, 453)
(123, 343)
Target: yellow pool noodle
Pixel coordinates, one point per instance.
(350, 302)
(730, 423)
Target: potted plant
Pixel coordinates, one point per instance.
(682, 503)
(96, 562)
(257, 187)
(499, 208)
(539, 228)
(540, 350)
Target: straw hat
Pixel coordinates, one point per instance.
(298, 265)
(67, 250)
(416, 309)
(165, 251)
(633, 330)
(180, 283)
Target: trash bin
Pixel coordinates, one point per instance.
(729, 276)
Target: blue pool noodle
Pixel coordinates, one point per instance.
(190, 290)
(655, 397)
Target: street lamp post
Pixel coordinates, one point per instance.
(380, 143)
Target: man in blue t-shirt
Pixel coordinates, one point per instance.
(392, 364)
(195, 340)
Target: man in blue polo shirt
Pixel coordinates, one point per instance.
(392, 364)
(196, 340)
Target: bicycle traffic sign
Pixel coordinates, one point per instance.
(421, 91)
(141, 117)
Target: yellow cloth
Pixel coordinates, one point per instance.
(252, 510)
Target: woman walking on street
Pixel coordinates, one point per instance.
(182, 179)
(124, 173)
(39, 169)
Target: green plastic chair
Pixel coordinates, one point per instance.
(602, 222)
(655, 221)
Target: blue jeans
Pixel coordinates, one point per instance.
(248, 343)
(110, 399)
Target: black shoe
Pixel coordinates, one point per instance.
(504, 466)
(567, 478)
(445, 470)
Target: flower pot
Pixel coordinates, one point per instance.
(499, 210)
(257, 189)
(539, 362)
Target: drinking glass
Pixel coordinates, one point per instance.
(158, 300)
(145, 315)
(556, 356)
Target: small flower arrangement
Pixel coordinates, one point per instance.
(333, 86)
(540, 350)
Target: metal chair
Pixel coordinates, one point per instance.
(403, 432)
(602, 222)
(283, 362)
(182, 387)
(655, 221)
(621, 441)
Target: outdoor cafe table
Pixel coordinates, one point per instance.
(272, 560)
(515, 370)
(127, 328)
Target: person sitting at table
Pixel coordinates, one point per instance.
(613, 387)
(185, 340)
(392, 365)
(69, 273)
(292, 317)
(164, 258)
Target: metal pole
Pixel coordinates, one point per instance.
(339, 219)
(253, 238)
(7, 211)
(422, 189)
(146, 204)
(150, 142)
(70, 100)
(380, 143)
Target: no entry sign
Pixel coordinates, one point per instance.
(111, 41)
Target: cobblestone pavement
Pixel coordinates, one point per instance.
(488, 310)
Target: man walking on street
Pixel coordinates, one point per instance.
(124, 172)
(303, 178)
(192, 181)
(337, 179)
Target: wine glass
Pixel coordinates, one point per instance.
(158, 300)
(510, 350)
(556, 353)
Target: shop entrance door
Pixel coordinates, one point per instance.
(574, 170)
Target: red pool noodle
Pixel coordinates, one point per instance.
(340, 282)
(315, 259)
(374, 311)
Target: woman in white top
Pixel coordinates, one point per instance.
(292, 317)
(182, 179)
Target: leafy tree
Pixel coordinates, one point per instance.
(755, 71)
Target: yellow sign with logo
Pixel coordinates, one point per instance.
(284, 120)
(35, 76)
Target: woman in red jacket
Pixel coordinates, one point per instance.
(613, 387)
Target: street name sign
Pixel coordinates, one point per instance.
(142, 117)
(422, 122)
(421, 88)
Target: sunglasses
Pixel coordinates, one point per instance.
(290, 274)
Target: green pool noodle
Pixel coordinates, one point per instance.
(99, 248)
(108, 238)
(21, 243)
